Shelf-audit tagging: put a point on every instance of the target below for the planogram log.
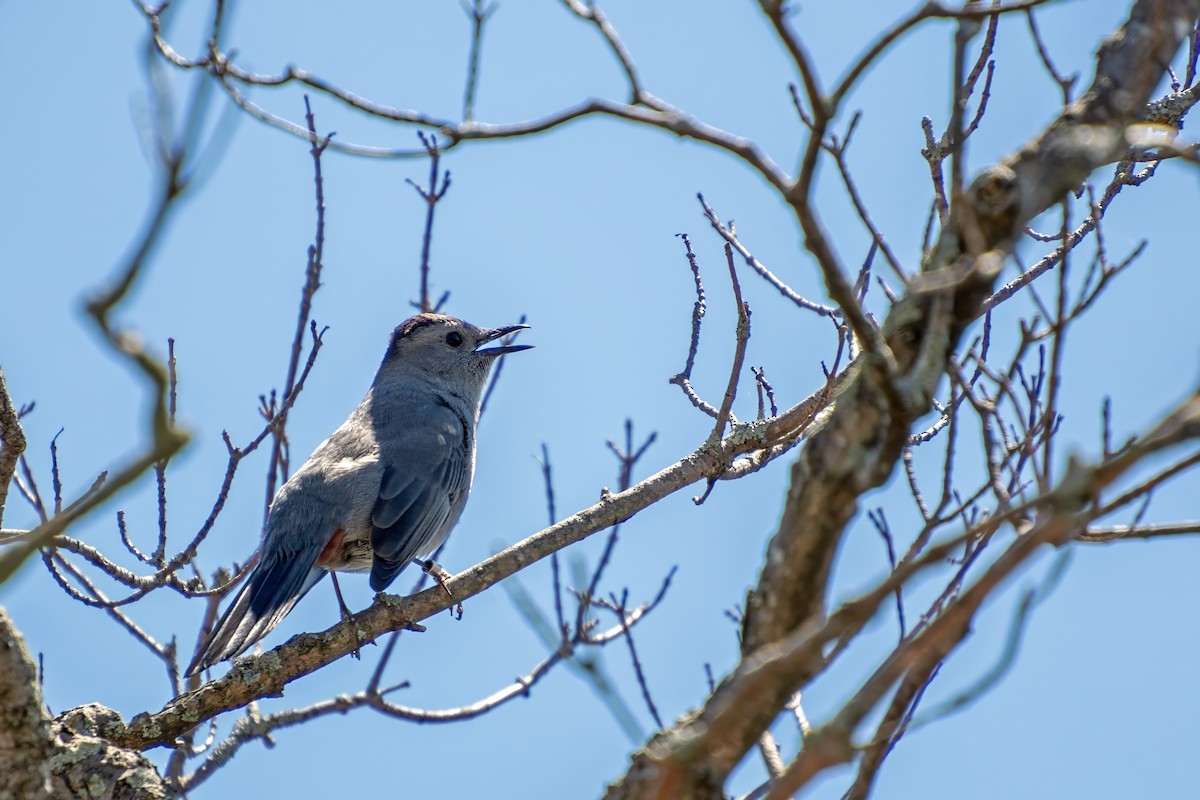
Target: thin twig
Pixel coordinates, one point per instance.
(478, 11)
(684, 378)
(431, 195)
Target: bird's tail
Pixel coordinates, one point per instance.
(271, 592)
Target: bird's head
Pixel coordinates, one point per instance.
(447, 351)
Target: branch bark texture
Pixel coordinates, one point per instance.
(64, 759)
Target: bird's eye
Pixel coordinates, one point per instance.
(454, 339)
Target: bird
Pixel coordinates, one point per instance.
(383, 490)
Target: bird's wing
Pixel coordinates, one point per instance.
(426, 473)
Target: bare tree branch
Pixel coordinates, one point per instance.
(866, 433)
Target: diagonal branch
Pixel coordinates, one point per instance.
(266, 675)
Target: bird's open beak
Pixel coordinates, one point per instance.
(493, 335)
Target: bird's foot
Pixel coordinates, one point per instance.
(435, 571)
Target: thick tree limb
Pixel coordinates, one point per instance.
(859, 447)
(24, 730)
(64, 760)
(12, 441)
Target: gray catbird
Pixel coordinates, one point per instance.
(383, 490)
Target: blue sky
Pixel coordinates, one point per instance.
(576, 230)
